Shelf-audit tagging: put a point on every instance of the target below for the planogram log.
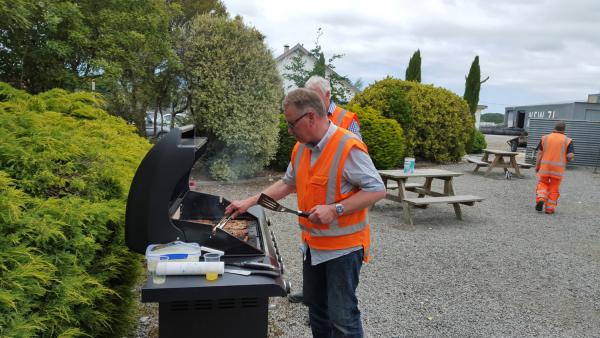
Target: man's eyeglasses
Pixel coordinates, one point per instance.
(292, 124)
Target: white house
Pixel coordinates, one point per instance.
(480, 108)
(286, 59)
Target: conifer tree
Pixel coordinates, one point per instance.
(473, 85)
(413, 71)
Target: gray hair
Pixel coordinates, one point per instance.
(318, 82)
(303, 98)
(560, 126)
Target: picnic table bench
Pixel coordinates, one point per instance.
(502, 159)
(399, 177)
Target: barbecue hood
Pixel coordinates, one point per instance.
(161, 208)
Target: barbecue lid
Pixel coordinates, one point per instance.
(158, 187)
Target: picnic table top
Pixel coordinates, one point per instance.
(418, 173)
(500, 152)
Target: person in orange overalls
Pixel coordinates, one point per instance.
(554, 151)
(335, 181)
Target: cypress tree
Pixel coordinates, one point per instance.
(413, 71)
(320, 67)
(473, 85)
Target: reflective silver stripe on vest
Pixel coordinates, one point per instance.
(334, 227)
(562, 158)
(548, 172)
(298, 157)
(340, 118)
(332, 178)
(338, 231)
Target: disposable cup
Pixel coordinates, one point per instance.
(409, 165)
(212, 257)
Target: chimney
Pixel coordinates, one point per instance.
(286, 48)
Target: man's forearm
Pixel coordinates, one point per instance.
(277, 191)
(361, 200)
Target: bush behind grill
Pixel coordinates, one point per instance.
(65, 170)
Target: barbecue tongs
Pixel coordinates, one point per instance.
(221, 223)
(271, 204)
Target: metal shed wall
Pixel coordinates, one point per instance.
(563, 111)
(585, 135)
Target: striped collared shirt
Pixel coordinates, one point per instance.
(354, 127)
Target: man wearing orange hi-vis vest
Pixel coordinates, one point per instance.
(554, 151)
(339, 116)
(335, 181)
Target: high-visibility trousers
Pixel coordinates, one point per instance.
(547, 191)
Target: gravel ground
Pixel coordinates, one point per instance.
(504, 270)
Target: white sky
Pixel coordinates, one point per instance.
(535, 51)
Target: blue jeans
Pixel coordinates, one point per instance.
(330, 294)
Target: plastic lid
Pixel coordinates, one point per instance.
(173, 250)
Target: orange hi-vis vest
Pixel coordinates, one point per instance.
(320, 184)
(342, 118)
(554, 157)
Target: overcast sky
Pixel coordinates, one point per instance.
(534, 51)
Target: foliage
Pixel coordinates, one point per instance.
(413, 71)
(436, 122)
(237, 95)
(65, 170)
(285, 147)
(383, 136)
(297, 73)
(125, 46)
(66, 44)
(473, 85)
(387, 96)
(190, 8)
(492, 117)
(442, 123)
(476, 142)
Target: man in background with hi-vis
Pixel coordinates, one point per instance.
(339, 116)
(554, 151)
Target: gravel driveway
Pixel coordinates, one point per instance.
(503, 271)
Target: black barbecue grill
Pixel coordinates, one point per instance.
(161, 209)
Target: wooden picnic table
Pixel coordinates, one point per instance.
(502, 159)
(424, 189)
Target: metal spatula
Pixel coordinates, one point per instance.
(271, 204)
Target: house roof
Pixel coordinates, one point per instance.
(298, 48)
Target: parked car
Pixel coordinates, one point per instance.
(163, 124)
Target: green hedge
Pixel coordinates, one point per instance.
(476, 142)
(236, 94)
(65, 170)
(284, 148)
(437, 125)
(383, 137)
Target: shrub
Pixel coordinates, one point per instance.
(383, 137)
(442, 123)
(476, 142)
(64, 178)
(286, 145)
(387, 96)
(437, 124)
(236, 94)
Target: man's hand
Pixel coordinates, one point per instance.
(239, 207)
(322, 214)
